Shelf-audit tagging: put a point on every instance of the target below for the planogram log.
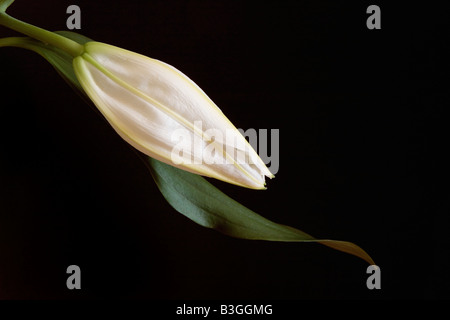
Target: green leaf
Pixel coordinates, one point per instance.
(200, 201)
(190, 194)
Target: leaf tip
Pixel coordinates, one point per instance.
(350, 248)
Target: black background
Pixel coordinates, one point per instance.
(362, 144)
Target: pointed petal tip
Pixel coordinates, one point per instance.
(261, 186)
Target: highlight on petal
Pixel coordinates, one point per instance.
(165, 115)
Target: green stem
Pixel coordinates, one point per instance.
(9, 42)
(71, 47)
(4, 4)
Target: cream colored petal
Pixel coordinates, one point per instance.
(146, 101)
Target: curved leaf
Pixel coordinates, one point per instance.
(200, 201)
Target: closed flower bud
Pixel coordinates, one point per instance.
(165, 115)
(156, 108)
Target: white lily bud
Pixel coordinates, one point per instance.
(165, 115)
